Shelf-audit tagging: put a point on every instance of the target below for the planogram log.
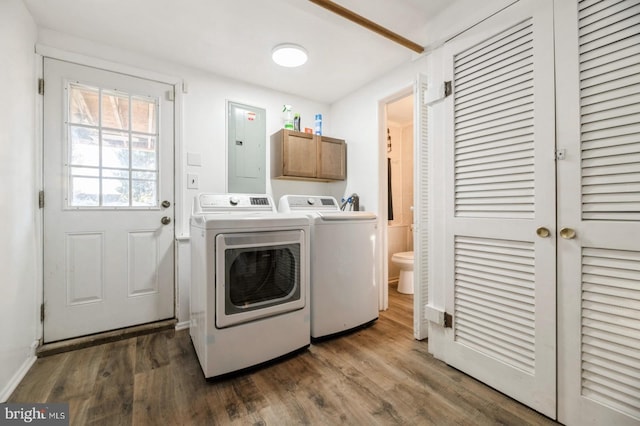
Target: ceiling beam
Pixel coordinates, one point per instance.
(370, 25)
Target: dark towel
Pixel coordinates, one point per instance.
(389, 197)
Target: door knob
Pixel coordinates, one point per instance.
(567, 233)
(166, 204)
(165, 220)
(543, 232)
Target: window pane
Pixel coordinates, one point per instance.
(111, 173)
(83, 105)
(84, 146)
(145, 175)
(115, 110)
(144, 193)
(143, 115)
(85, 191)
(143, 152)
(85, 172)
(115, 192)
(115, 149)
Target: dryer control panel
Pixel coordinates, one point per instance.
(211, 203)
(290, 203)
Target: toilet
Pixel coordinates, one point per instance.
(404, 261)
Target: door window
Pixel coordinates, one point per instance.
(112, 148)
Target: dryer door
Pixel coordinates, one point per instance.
(259, 274)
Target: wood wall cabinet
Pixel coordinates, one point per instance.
(298, 155)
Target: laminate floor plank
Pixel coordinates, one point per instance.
(401, 391)
(191, 392)
(79, 374)
(38, 387)
(379, 375)
(151, 351)
(112, 398)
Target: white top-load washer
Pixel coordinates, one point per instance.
(249, 282)
(344, 291)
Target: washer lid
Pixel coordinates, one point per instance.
(344, 216)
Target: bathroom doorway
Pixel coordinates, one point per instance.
(399, 186)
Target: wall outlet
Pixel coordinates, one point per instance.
(192, 181)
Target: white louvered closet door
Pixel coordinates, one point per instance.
(598, 80)
(500, 162)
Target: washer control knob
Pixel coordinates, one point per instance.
(311, 201)
(234, 201)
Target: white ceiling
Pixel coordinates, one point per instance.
(235, 38)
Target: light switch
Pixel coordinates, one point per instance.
(192, 181)
(194, 159)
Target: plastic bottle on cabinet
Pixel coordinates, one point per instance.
(296, 122)
(318, 124)
(287, 117)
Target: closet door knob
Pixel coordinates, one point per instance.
(543, 232)
(567, 233)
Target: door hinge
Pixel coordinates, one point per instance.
(171, 94)
(448, 88)
(448, 320)
(561, 154)
(41, 86)
(41, 199)
(437, 93)
(42, 312)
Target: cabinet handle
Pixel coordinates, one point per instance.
(567, 233)
(543, 232)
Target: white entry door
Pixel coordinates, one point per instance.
(108, 191)
(500, 212)
(598, 83)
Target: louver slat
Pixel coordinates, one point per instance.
(494, 301)
(609, 39)
(611, 328)
(493, 119)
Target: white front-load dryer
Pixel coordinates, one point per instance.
(344, 289)
(249, 282)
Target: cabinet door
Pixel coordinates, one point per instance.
(299, 154)
(332, 158)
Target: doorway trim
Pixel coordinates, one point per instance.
(382, 190)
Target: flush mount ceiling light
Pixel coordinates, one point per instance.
(289, 55)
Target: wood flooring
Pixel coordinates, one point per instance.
(376, 376)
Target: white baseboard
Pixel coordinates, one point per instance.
(182, 325)
(17, 378)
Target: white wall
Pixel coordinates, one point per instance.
(19, 246)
